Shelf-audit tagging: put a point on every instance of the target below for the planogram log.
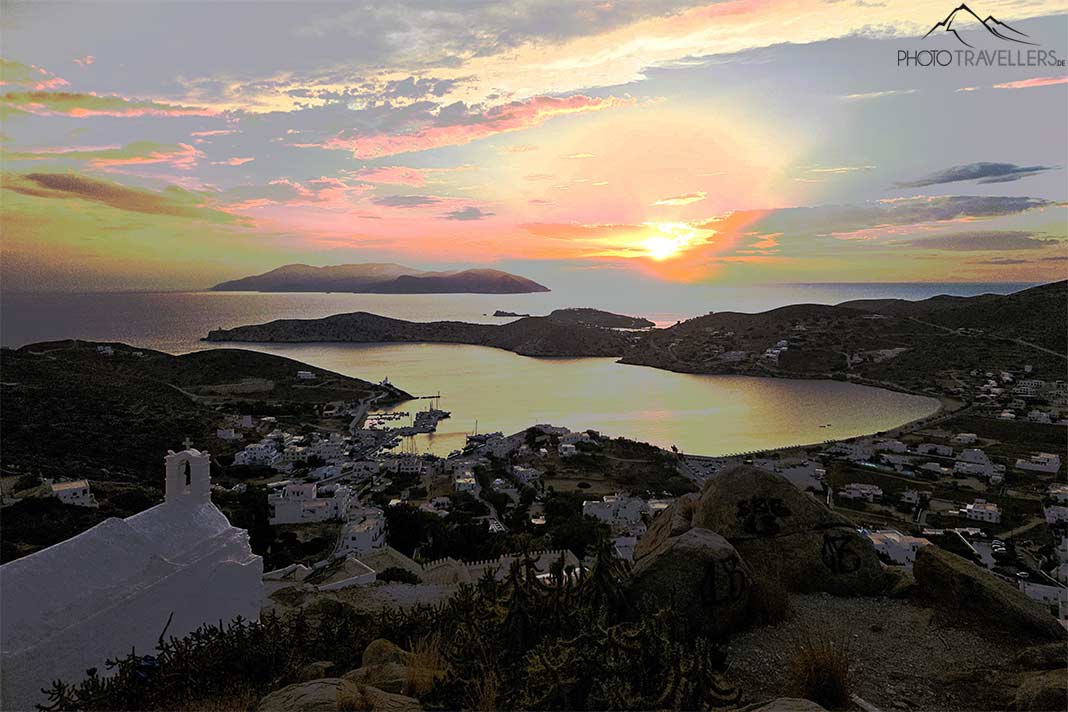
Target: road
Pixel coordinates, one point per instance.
(1021, 342)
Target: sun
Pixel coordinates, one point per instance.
(661, 248)
(670, 240)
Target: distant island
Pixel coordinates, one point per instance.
(588, 317)
(596, 317)
(381, 278)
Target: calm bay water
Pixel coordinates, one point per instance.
(706, 415)
(502, 391)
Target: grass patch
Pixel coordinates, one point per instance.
(818, 669)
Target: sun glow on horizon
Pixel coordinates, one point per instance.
(671, 240)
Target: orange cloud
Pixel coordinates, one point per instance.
(515, 116)
(685, 199)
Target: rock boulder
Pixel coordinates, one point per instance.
(958, 586)
(783, 534)
(700, 574)
(380, 651)
(395, 678)
(1046, 690)
(334, 694)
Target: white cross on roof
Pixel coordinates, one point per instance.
(187, 443)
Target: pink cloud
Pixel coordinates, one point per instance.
(513, 116)
(1033, 82)
(216, 132)
(85, 61)
(392, 175)
(184, 157)
(51, 83)
(27, 75)
(233, 162)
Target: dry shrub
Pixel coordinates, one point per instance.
(817, 669)
(427, 657)
(427, 652)
(351, 698)
(487, 691)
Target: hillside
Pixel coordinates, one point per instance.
(529, 336)
(69, 411)
(1026, 315)
(384, 278)
(931, 345)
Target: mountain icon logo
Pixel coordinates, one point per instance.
(960, 18)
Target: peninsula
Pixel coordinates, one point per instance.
(931, 346)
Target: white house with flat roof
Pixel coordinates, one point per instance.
(1058, 492)
(973, 461)
(75, 492)
(934, 449)
(982, 511)
(1055, 514)
(857, 490)
(896, 547)
(620, 512)
(300, 503)
(1043, 462)
(365, 531)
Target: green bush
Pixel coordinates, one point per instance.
(396, 573)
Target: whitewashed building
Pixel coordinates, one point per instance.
(973, 461)
(1058, 492)
(1055, 514)
(263, 453)
(859, 450)
(982, 511)
(365, 531)
(75, 492)
(896, 547)
(857, 490)
(620, 512)
(1044, 462)
(528, 476)
(300, 503)
(934, 449)
(113, 588)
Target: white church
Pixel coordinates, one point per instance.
(112, 588)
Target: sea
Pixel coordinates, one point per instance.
(490, 390)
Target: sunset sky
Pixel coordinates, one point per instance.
(172, 145)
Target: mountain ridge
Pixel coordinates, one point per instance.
(381, 278)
